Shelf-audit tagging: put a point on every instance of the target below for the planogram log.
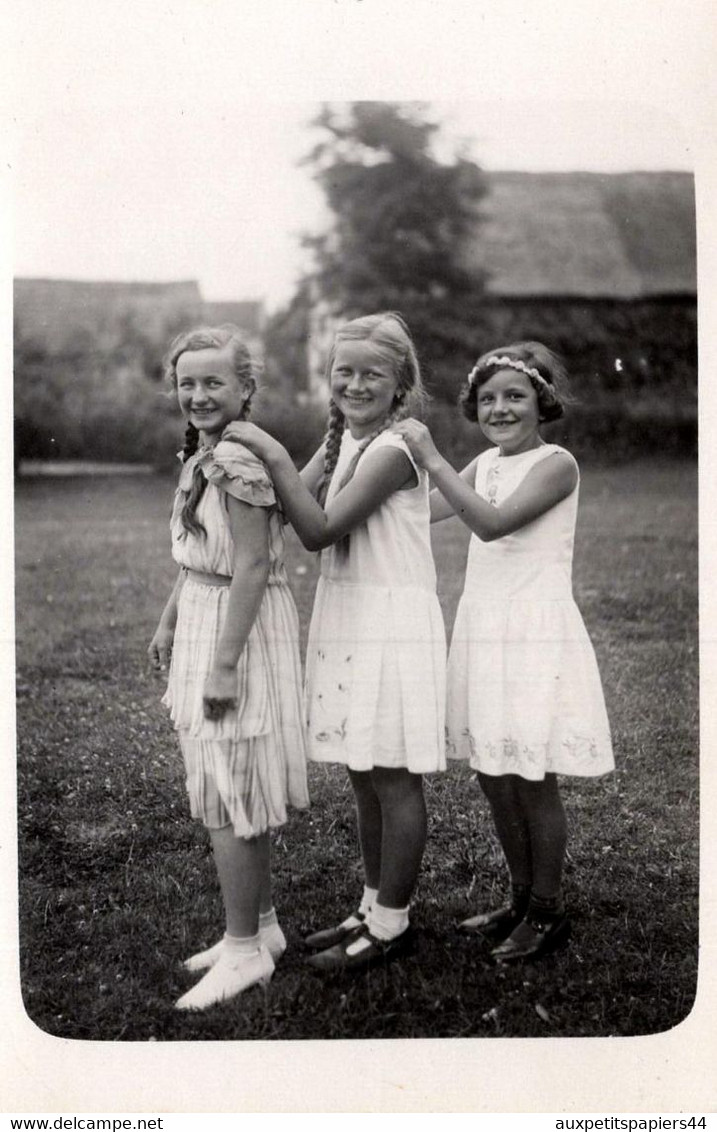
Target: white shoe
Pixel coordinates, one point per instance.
(272, 937)
(230, 975)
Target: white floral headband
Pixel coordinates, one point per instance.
(512, 363)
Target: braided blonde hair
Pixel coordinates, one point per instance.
(388, 331)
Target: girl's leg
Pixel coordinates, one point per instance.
(242, 865)
(369, 822)
(402, 823)
(514, 836)
(370, 825)
(545, 926)
(511, 825)
(547, 824)
(266, 899)
(404, 830)
(269, 928)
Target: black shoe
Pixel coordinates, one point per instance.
(534, 938)
(378, 951)
(329, 937)
(495, 926)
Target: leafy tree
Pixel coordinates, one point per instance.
(402, 220)
(285, 337)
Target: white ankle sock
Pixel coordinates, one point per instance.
(368, 900)
(271, 936)
(242, 944)
(238, 967)
(387, 923)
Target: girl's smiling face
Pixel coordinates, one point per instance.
(363, 385)
(210, 394)
(508, 411)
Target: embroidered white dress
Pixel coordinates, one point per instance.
(255, 756)
(376, 656)
(524, 691)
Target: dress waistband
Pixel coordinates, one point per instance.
(207, 579)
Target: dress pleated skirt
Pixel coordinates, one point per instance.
(524, 690)
(375, 677)
(246, 768)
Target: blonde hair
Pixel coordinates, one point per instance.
(208, 338)
(387, 331)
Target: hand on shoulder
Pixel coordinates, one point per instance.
(418, 440)
(251, 436)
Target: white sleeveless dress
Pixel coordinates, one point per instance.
(248, 766)
(376, 655)
(524, 691)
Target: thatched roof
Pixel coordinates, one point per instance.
(624, 236)
(54, 312)
(61, 314)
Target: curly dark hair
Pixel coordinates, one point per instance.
(552, 398)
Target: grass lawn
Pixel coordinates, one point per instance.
(116, 882)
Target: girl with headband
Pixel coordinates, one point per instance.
(525, 702)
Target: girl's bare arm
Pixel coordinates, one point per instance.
(544, 486)
(161, 644)
(440, 506)
(250, 532)
(378, 475)
(312, 472)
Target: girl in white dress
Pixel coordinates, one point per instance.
(376, 653)
(525, 702)
(229, 633)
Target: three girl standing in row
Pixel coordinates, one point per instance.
(375, 661)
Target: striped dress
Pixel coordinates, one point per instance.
(246, 768)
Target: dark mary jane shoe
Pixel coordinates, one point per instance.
(533, 938)
(377, 951)
(495, 926)
(329, 937)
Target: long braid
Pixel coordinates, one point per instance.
(334, 432)
(188, 514)
(198, 486)
(191, 442)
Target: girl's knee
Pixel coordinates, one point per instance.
(541, 801)
(499, 789)
(362, 784)
(540, 790)
(396, 785)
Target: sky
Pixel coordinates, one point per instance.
(165, 146)
(216, 193)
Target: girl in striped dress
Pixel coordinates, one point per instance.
(229, 635)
